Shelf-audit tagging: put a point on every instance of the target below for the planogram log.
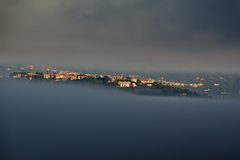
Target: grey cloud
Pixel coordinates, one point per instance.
(163, 22)
(153, 21)
(106, 28)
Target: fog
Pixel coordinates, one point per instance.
(55, 121)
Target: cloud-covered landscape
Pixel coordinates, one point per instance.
(119, 79)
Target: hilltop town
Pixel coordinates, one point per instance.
(217, 85)
(131, 82)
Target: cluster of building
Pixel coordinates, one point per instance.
(24, 75)
(178, 84)
(67, 76)
(131, 81)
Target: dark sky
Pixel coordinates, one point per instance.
(149, 35)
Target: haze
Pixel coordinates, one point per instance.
(142, 35)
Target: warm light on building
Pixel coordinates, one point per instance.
(124, 84)
(46, 76)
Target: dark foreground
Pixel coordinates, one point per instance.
(44, 121)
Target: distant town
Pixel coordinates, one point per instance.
(179, 84)
(130, 81)
(139, 84)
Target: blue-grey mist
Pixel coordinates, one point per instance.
(55, 121)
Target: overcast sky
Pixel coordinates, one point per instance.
(149, 35)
